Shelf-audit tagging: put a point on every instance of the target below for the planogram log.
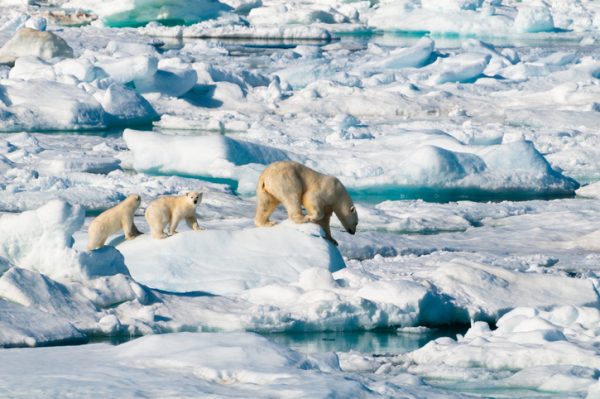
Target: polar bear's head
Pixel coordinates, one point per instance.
(194, 198)
(134, 199)
(345, 209)
(348, 217)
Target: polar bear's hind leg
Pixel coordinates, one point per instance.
(265, 206)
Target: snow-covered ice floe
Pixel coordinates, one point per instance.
(301, 284)
(531, 350)
(138, 13)
(227, 262)
(212, 156)
(205, 364)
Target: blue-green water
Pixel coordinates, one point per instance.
(378, 194)
(376, 342)
(372, 342)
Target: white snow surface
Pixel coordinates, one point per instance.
(227, 262)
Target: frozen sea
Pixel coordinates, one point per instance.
(466, 131)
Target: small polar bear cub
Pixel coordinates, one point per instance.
(171, 210)
(112, 220)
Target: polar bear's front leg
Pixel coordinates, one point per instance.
(193, 223)
(174, 223)
(324, 223)
(130, 229)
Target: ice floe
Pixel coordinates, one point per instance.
(227, 262)
(39, 43)
(550, 351)
(137, 13)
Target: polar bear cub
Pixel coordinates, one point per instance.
(171, 210)
(295, 186)
(112, 220)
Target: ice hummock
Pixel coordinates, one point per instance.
(212, 156)
(227, 262)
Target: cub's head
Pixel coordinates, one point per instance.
(194, 197)
(135, 199)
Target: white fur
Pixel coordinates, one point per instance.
(113, 220)
(170, 211)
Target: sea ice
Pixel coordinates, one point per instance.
(212, 156)
(227, 262)
(43, 44)
(117, 13)
(47, 105)
(205, 364)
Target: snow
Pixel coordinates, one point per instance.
(534, 19)
(22, 326)
(41, 240)
(47, 105)
(226, 262)
(211, 156)
(126, 106)
(27, 41)
(129, 68)
(172, 79)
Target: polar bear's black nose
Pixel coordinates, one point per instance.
(195, 201)
(352, 231)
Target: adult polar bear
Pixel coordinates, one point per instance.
(295, 185)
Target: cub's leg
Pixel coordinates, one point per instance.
(193, 223)
(97, 238)
(156, 222)
(129, 228)
(175, 219)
